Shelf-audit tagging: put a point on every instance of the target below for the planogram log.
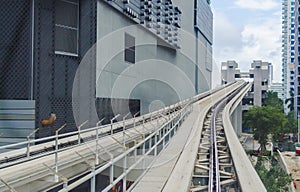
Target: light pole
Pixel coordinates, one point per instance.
(111, 122)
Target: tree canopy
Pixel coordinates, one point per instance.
(275, 178)
(264, 121)
(273, 100)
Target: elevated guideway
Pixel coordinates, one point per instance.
(154, 152)
(191, 170)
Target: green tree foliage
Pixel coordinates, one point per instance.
(273, 100)
(264, 121)
(291, 125)
(275, 179)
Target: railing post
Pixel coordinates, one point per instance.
(79, 130)
(111, 123)
(28, 142)
(56, 152)
(143, 153)
(135, 151)
(163, 136)
(28, 147)
(169, 134)
(144, 124)
(97, 141)
(155, 142)
(56, 157)
(65, 185)
(93, 181)
(124, 171)
(175, 109)
(111, 172)
(124, 129)
(64, 179)
(134, 118)
(150, 142)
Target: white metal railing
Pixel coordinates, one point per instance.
(31, 142)
(164, 134)
(54, 140)
(160, 136)
(54, 169)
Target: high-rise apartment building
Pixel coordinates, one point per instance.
(297, 60)
(288, 49)
(277, 88)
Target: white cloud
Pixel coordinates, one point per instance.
(256, 4)
(226, 32)
(227, 40)
(262, 41)
(259, 39)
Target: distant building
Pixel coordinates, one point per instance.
(259, 73)
(297, 60)
(288, 49)
(277, 87)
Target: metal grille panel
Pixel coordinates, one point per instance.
(15, 49)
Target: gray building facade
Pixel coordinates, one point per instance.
(88, 59)
(259, 74)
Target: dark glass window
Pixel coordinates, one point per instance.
(66, 26)
(129, 54)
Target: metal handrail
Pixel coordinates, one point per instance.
(183, 104)
(53, 138)
(192, 99)
(124, 154)
(76, 132)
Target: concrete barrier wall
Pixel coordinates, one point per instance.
(283, 165)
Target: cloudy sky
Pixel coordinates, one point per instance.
(247, 30)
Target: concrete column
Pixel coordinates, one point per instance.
(236, 119)
(239, 112)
